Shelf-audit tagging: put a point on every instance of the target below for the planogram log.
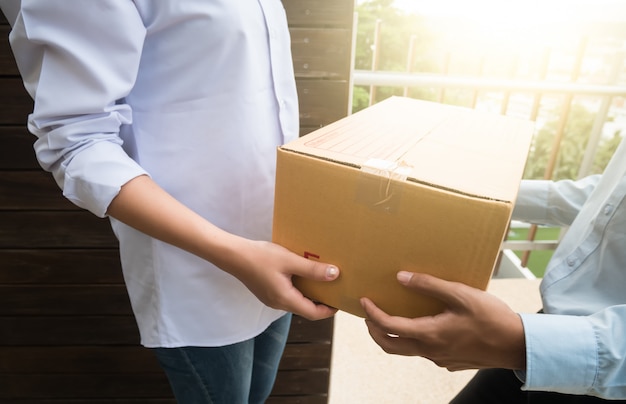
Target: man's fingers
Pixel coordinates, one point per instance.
(372, 311)
(428, 285)
(402, 326)
(391, 344)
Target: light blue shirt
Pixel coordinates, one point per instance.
(579, 346)
(198, 94)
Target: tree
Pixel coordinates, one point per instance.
(572, 147)
(396, 30)
(605, 150)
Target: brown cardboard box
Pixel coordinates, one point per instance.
(404, 184)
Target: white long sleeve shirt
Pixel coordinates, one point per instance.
(198, 94)
(579, 346)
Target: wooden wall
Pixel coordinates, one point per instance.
(67, 334)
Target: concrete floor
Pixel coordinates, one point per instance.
(362, 373)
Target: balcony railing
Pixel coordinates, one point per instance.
(607, 101)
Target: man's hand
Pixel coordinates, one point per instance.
(476, 330)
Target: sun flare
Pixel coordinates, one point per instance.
(517, 23)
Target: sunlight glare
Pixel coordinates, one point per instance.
(518, 23)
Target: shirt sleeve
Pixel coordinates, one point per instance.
(577, 354)
(553, 203)
(78, 61)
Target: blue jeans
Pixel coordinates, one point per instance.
(233, 374)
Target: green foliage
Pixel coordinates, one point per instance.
(396, 30)
(572, 146)
(360, 98)
(395, 36)
(605, 150)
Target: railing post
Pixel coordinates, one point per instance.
(375, 58)
(598, 123)
(543, 73)
(410, 60)
(558, 138)
(481, 66)
(445, 71)
(504, 106)
(355, 23)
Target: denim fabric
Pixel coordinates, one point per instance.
(233, 374)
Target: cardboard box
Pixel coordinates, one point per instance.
(402, 185)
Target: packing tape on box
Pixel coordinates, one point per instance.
(376, 188)
(387, 169)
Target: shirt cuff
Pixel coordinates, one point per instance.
(532, 201)
(521, 375)
(561, 353)
(95, 176)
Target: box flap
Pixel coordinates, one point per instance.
(446, 146)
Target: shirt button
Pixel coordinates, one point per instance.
(608, 209)
(571, 261)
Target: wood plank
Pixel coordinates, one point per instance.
(153, 400)
(301, 382)
(98, 300)
(319, 13)
(72, 229)
(7, 62)
(74, 300)
(321, 53)
(80, 267)
(127, 359)
(73, 330)
(77, 359)
(322, 101)
(60, 267)
(16, 148)
(305, 130)
(66, 386)
(303, 330)
(15, 104)
(306, 356)
(273, 399)
(308, 399)
(116, 330)
(129, 385)
(31, 190)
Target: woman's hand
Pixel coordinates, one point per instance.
(476, 330)
(267, 270)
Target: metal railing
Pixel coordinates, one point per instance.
(536, 89)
